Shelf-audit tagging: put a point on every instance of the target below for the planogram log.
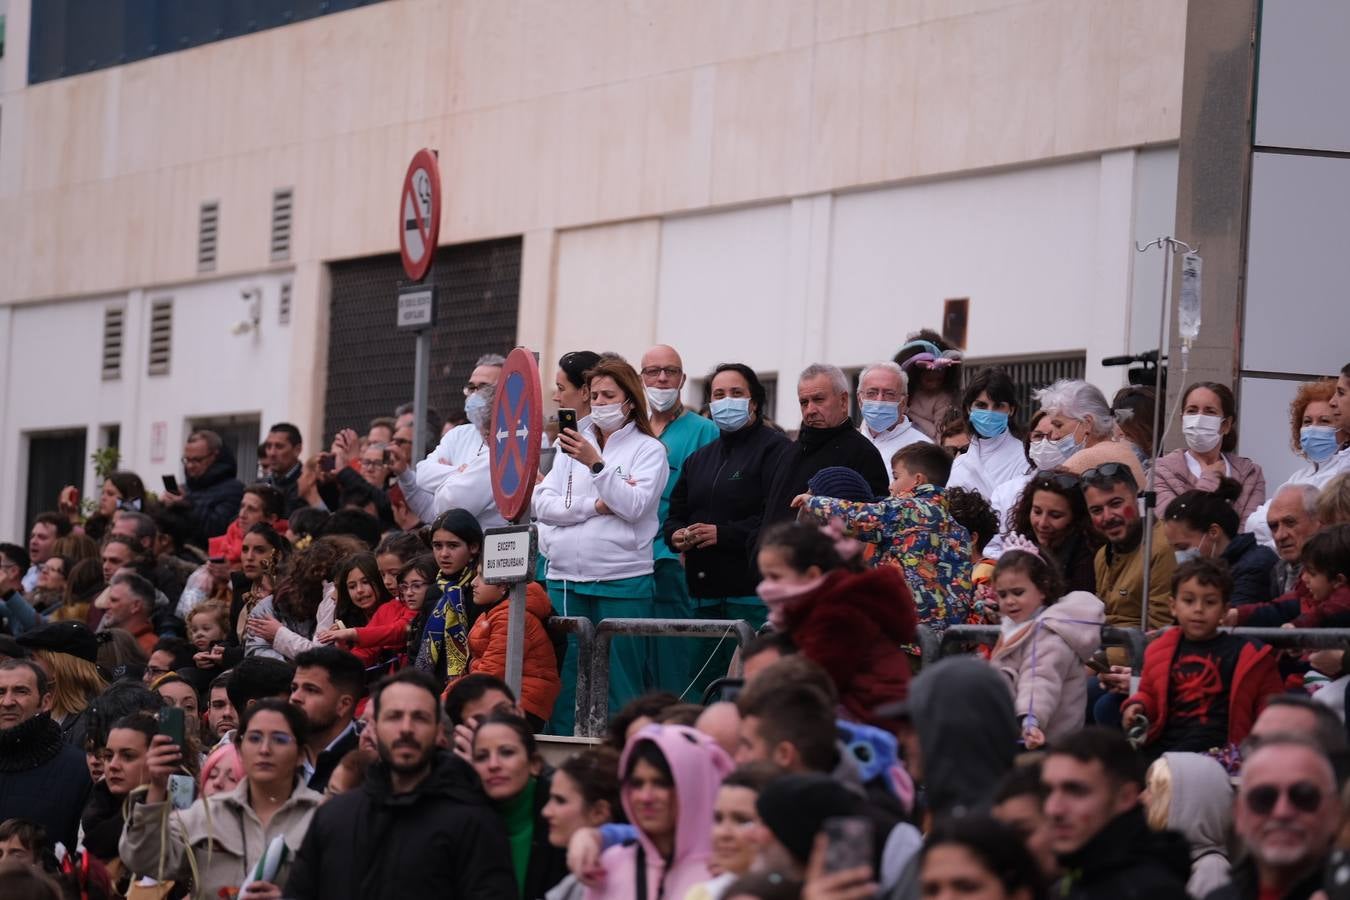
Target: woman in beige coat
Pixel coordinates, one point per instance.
(227, 834)
(1045, 642)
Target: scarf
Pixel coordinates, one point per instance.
(445, 643)
(779, 598)
(29, 744)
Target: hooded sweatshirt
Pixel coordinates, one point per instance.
(1202, 810)
(1044, 663)
(697, 767)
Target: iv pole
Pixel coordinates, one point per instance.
(1150, 495)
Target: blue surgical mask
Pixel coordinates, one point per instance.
(1318, 442)
(476, 408)
(730, 413)
(988, 423)
(1185, 556)
(880, 414)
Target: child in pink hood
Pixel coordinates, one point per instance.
(670, 778)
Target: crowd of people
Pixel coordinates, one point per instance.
(295, 687)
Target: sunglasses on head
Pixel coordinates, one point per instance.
(1304, 796)
(1107, 473)
(1061, 480)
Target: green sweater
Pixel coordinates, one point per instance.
(518, 814)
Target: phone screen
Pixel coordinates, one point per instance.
(849, 843)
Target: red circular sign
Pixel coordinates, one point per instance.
(514, 441)
(419, 214)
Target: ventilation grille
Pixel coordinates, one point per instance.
(284, 304)
(161, 336)
(281, 224)
(113, 319)
(208, 233)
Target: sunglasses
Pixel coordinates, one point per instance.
(1107, 473)
(1304, 796)
(1061, 480)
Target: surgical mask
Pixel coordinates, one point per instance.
(663, 399)
(730, 413)
(989, 423)
(1185, 556)
(608, 418)
(880, 414)
(1318, 442)
(1202, 432)
(1047, 454)
(476, 409)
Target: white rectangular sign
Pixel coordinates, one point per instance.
(509, 554)
(417, 307)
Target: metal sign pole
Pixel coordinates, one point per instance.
(515, 637)
(421, 379)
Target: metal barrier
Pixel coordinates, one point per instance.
(584, 629)
(592, 723)
(1298, 638)
(1132, 639)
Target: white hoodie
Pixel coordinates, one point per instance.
(580, 543)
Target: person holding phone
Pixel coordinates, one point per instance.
(240, 824)
(213, 490)
(598, 506)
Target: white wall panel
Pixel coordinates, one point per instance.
(1303, 71)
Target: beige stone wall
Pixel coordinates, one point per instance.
(552, 115)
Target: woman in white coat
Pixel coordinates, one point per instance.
(597, 511)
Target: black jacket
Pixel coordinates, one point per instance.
(725, 483)
(1250, 564)
(820, 448)
(213, 498)
(328, 760)
(103, 823)
(43, 778)
(1245, 886)
(1128, 861)
(441, 840)
(289, 485)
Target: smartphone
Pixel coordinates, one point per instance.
(849, 843)
(182, 790)
(172, 723)
(1099, 663)
(327, 463)
(567, 418)
(1337, 885)
(171, 484)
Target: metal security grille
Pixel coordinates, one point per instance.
(284, 304)
(55, 459)
(208, 232)
(113, 319)
(370, 363)
(161, 336)
(1030, 373)
(281, 224)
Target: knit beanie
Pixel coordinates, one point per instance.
(795, 807)
(841, 483)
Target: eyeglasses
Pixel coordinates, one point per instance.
(153, 672)
(409, 587)
(658, 371)
(471, 388)
(1304, 796)
(193, 460)
(275, 739)
(53, 570)
(1107, 473)
(401, 442)
(369, 464)
(1061, 480)
(9, 564)
(879, 394)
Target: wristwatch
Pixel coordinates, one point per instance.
(597, 467)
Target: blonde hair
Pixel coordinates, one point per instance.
(1158, 783)
(1308, 392)
(215, 609)
(1333, 504)
(75, 682)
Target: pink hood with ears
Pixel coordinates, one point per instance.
(697, 767)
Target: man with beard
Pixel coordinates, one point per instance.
(421, 825)
(1286, 814)
(827, 438)
(1110, 491)
(42, 778)
(327, 685)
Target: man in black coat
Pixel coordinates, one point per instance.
(212, 491)
(42, 778)
(827, 438)
(420, 826)
(1093, 779)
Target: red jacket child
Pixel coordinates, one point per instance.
(540, 683)
(1256, 678)
(387, 631)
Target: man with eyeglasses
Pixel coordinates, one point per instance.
(1111, 494)
(461, 445)
(211, 491)
(1093, 780)
(883, 398)
(681, 431)
(1286, 814)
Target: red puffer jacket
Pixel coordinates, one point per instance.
(853, 626)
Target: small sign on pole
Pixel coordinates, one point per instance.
(510, 554)
(417, 307)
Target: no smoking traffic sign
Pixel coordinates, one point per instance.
(419, 207)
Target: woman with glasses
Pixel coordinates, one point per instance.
(1052, 514)
(49, 594)
(228, 833)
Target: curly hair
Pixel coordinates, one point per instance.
(1073, 495)
(972, 511)
(1308, 393)
(300, 590)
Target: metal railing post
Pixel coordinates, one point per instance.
(585, 635)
